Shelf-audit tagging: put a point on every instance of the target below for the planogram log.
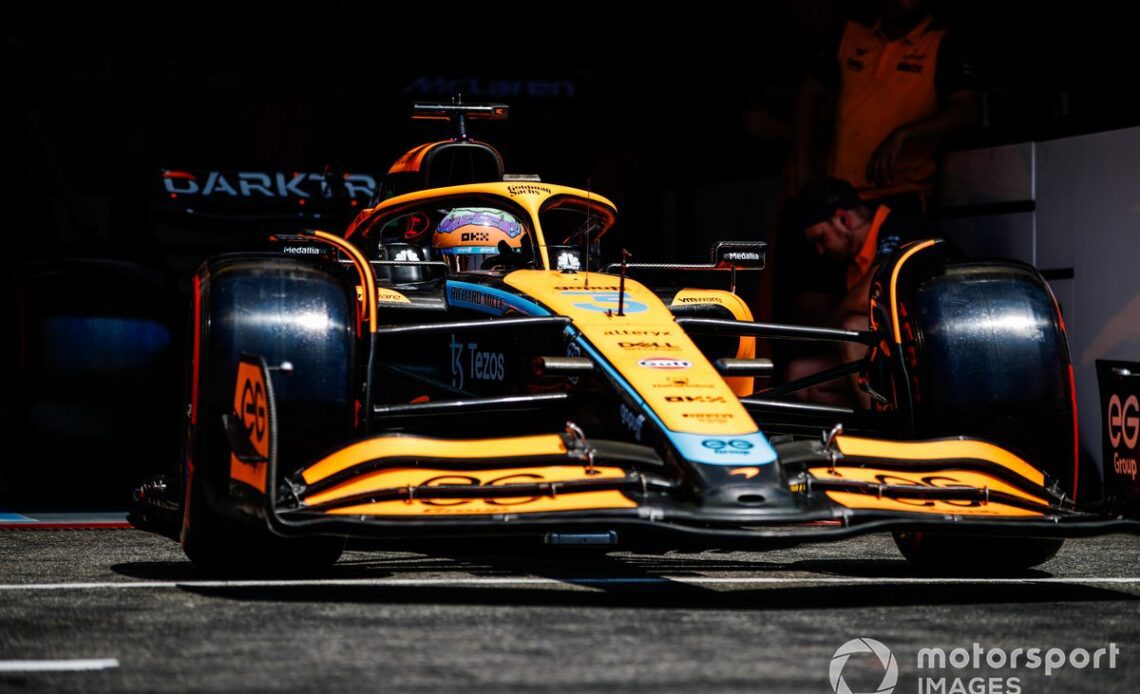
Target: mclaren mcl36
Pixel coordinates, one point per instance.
(459, 363)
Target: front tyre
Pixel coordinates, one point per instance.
(220, 544)
(283, 310)
(976, 348)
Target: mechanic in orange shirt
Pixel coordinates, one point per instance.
(849, 238)
(901, 85)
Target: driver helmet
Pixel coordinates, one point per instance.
(469, 236)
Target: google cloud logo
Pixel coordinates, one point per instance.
(863, 645)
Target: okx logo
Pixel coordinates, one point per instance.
(857, 647)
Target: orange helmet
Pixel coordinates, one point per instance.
(468, 236)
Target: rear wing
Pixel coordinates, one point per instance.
(459, 112)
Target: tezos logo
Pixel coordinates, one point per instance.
(480, 365)
(663, 363)
(863, 645)
(1123, 421)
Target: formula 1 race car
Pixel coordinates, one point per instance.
(460, 363)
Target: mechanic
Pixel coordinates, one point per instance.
(901, 86)
(850, 238)
(469, 238)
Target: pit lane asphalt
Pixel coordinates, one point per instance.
(404, 622)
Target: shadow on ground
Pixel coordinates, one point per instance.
(645, 581)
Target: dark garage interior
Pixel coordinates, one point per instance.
(681, 115)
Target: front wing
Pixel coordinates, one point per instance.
(564, 485)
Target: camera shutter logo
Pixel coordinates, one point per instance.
(864, 645)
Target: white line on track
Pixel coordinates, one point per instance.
(588, 581)
(58, 665)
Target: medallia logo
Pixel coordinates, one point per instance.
(856, 647)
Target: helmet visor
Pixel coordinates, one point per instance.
(468, 258)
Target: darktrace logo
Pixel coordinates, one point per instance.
(857, 647)
(264, 184)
